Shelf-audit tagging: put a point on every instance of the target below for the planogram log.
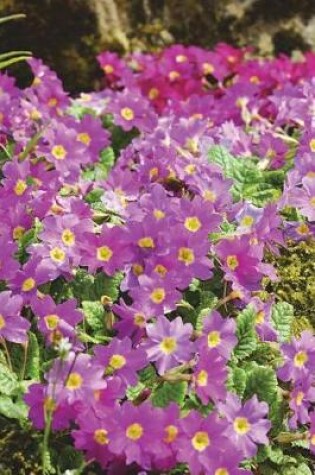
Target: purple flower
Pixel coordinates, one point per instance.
(247, 425)
(301, 398)
(210, 377)
(169, 343)
(199, 440)
(299, 358)
(13, 327)
(218, 334)
(120, 359)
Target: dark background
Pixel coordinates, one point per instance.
(68, 34)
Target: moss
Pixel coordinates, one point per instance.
(296, 270)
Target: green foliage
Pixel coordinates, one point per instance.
(249, 182)
(94, 314)
(88, 287)
(26, 358)
(237, 380)
(167, 392)
(246, 334)
(261, 380)
(282, 317)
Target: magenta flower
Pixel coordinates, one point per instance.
(169, 343)
(199, 440)
(299, 358)
(247, 424)
(13, 327)
(76, 379)
(121, 360)
(312, 432)
(94, 433)
(218, 334)
(57, 321)
(209, 377)
(135, 436)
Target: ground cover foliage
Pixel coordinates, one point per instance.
(156, 267)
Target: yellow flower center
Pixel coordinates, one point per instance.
(214, 339)
(84, 138)
(299, 398)
(59, 152)
(18, 232)
(146, 242)
(171, 433)
(254, 80)
(190, 169)
(247, 220)
(168, 345)
(300, 359)
(260, 317)
(232, 262)
(173, 75)
(312, 439)
(68, 237)
(137, 269)
(209, 195)
(154, 172)
(158, 295)
(52, 102)
(181, 58)
(28, 284)
(57, 254)
(127, 113)
(200, 441)
(117, 361)
(202, 378)
(312, 145)
(158, 214)
(108, 69)
(100, 436)
(192, 145)
(303, 229)
(35, 114)
(20, 187)
(207, 68)
(241, 425)
(104, 253)
(74, 381)
(193, 224)
(221, 471)
(134, 431)
(160, 269)
(153, 93)
(51, 321)
(139, 320)
(2, 322)
(312, 201)
(49, 404)
(186, 255)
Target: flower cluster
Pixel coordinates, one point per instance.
(139, 224)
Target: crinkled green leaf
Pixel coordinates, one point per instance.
(262, 380)
(94, 314)
(282, 317)
(168, 392)
(246, 333)
(237, 380)
(9, 384)
(12, 410)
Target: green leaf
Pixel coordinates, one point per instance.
(262, 381)
(94, 314)
(246, 333)
(9, 384)
(12, 410)
(30, 367)
(237, 381)
(168, 392)
(282, 317)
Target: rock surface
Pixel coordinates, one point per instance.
(67, 34)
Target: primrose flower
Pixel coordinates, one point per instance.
(218, 334)
(247, 424)
(299, 358)
(209, 378)
(135, 436)
(118, 358)
(199, 440)
(169, 343)
(13, 327)
(301, 398)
